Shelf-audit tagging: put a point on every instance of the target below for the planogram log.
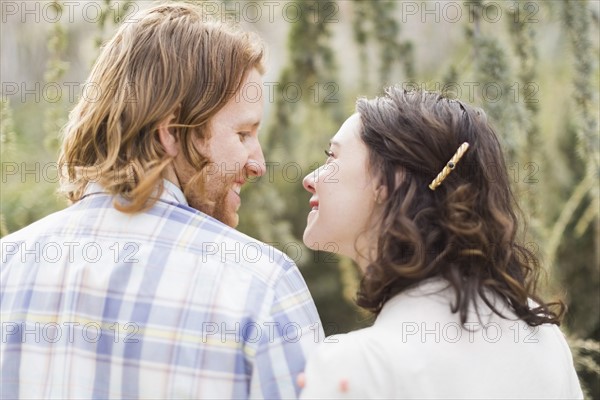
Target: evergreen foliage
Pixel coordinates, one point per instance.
(546, 114)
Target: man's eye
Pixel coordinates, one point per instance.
(243, 135)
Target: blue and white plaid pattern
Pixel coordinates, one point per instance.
(168, 303)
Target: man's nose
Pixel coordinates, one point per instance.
(256, 165)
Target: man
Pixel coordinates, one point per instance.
(142, 288)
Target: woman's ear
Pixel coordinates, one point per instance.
(381, 194)
(167, 137)
(381, 191)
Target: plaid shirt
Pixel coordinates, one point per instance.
(166, 303)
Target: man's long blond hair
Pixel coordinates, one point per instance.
(171, 60)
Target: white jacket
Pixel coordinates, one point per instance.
(417, 349)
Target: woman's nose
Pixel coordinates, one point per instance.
(309, 181)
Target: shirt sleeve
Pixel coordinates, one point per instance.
(346, 367)
(292, 330)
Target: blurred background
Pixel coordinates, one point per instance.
(532, 65)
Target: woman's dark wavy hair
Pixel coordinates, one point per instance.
(464, 231)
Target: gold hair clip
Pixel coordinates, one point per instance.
(449, 166)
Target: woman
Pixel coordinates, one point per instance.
(415, 190)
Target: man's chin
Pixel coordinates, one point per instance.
(233, 221)
(219, 212)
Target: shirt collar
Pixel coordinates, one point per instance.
(171, 193)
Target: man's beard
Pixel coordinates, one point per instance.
(217, 208)
(208, 195)
(213, 202)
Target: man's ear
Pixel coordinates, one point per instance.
(167, 137)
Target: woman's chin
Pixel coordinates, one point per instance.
(314, 241)
(307, 240)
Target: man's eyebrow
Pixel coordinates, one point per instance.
(249, 122)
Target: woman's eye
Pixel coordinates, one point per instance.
(329, 153)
